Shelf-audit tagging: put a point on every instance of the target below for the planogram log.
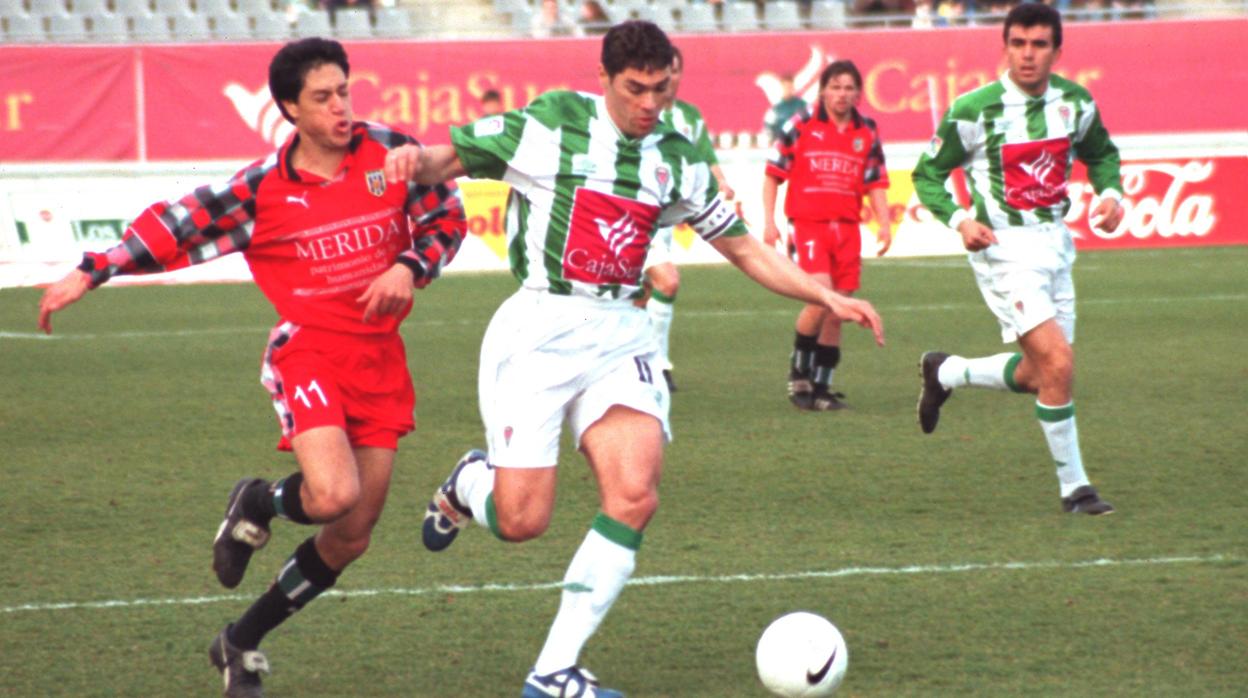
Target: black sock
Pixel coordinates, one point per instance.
(826, 359)
(803, 355)
(295, 586)
(287, 501)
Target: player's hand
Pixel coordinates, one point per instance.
(388, 294)
(771, 234)
(885, 239)
(856, 310)
(975, 235)
(726, 190)
(69, 289)
(404, 163)
(1107, 215)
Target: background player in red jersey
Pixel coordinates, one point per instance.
(333, 247)
(830, 159)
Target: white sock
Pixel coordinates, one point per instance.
(474, 486)
(660, 312)
(984, 372)
(1060, 431)
(598, 572)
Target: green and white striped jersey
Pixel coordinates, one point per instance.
(1017, 151)
(686, 119)
(586, 200)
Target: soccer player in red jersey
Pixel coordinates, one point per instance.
(830, 159)
(337, 250)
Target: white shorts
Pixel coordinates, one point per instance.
(546, 358)
(660, 249)
(1026, 279)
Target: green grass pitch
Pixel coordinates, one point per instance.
(944, 559)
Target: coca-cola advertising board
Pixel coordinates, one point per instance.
(189, 102)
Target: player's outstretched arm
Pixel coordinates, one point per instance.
(61, 294)
(779, 275)
(425, 165)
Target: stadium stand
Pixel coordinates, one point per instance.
(214, 8)
(67, 28)
(230, 27)
(191, 27)
(24, 29)
(90, 8)
(47, 8)
(110, 28)
(150, 28)
(782, 15)
(740, 16)
(313, 23)
(393, 23)
(352, 24)
(270, 26)
(698, 17)
(827, 14)
(132, 8)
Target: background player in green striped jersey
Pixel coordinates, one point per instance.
(662, 277)
(593, 177)
(1017, 138)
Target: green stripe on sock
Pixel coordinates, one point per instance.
(1055, 414)
(1009, 373)
(619, 533)
(491, 517)
(661, 297)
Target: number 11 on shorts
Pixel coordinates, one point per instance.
(302, 396)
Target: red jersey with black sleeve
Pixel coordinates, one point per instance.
(313, 244)
(828, 170)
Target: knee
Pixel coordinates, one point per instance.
(521, 527)
(331, 503)
(667, 284)
(634, 509)
(1059, 366)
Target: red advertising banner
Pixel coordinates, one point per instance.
(68, 103)
(211, 100)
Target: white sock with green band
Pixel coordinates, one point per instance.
(598, 572)
(661, 308)
(1060, 431)
(474, 487)
(996, 372)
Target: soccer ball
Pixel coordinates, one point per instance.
(801, 654)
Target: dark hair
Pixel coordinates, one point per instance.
(491, 96)
(291, 65)
(635, 44)
(1031, 14)
(836, 68)
(678, 57)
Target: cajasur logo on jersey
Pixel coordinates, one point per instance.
(1035, 172)
(607, 238)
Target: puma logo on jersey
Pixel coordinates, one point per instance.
(302, 200)
(617, 235)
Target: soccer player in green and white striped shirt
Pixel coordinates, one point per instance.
(662, 277)
(593, 177)
(1017, 139)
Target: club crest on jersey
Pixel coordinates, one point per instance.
(489, 126)
(376, 180)
(583, 164)
(859, 144)
(934, 146)
(1064, 112)
(663, 176)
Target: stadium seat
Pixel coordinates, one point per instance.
(132, 8)
(190, 27)
(699, 17)
(47, 8)
(270, 25)
(782, 15)
(150, 28)
(173, 8)
(90, 8)
(393, 23)
(740, 16)
(110, 28)
(352, 24)
(25, 29)
(313, 23)
(827, 14)
(67, 28)
(11, 8)
(255, 8)
(214, 8)
(231, 27)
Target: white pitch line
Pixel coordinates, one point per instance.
(744, 312)
(661, 580)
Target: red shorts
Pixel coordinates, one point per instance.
(358, 383)
(829, 247)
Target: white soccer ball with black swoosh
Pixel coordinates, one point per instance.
(801, 654)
